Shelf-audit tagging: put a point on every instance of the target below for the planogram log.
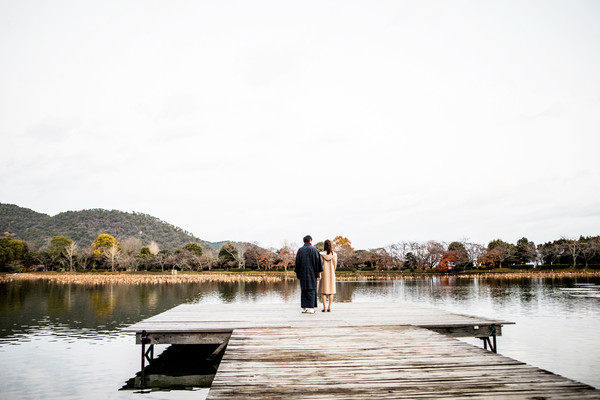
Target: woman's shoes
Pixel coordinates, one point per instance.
(328, 310)
(323, 310)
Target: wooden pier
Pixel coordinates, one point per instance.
(359, 350)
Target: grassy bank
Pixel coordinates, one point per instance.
(144, 278)
(140, 278)
(480, 274)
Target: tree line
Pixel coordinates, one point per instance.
(107, 253)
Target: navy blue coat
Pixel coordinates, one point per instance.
(308, 266)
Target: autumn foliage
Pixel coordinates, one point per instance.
(104, 242)
(132, 254)
(448, 262)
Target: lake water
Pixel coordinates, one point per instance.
(64, 341)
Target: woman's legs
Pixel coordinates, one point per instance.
(323, 295)
(330, 301)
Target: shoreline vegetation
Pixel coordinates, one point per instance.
(112, 241)
(156, 278)
(133, 252)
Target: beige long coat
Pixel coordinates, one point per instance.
(327, 282)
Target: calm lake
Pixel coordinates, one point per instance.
(64, 341)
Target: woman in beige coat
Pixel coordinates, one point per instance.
(327, 281)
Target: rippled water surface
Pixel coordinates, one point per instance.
(65, 341)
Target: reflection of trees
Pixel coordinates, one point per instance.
(103, 301)
(499, 289)
(28, 306)
(59, 299)
(287, 289)
(345, 291)
(13, 296)
(227, 291)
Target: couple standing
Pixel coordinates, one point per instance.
(312, 267)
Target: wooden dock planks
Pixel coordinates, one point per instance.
(358, 351)
(227, 317)
(376, 362)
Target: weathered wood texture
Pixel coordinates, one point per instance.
(184, 337)
(376, 362)
(227, 317)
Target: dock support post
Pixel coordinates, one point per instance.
(220, 349)
(146, 355)
(492, 343)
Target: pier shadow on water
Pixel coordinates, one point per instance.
(178, 367)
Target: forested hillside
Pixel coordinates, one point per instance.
(84, 226)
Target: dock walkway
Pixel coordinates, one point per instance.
(179, 324)
(382, 362)
(358, 351)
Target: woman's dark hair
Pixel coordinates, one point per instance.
(327, 246)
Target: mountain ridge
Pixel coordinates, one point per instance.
(84, 226)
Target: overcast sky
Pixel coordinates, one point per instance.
(382, 121)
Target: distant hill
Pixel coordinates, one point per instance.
(84, 226)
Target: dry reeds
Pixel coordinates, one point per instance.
(211, 277)
(141, 279)
(541, 274)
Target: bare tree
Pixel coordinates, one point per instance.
(474, 251)
(532, 254)
(240, 259)
(129, 262)
(266, 259)
(498, 253)
(343, 247)
(573, 248)
(69, 253)
(398, 252)
(161, 260)
(419, 252)
(286, 256)
(112, 254)
(387, 260)
(183, 260)
(206, 260)
(171, 260)
(131, 246)
(153, 247)
(550, 252)
(434, 252)
(590, 249)
(84, 257)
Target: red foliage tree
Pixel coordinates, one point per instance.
(448, 262)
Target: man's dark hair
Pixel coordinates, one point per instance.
(307, 239)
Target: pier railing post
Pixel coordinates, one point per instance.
(493, 335)
(144, 338)
(146, 355)
(492, 343)
(494, 340)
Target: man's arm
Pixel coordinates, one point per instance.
(318, 264)
(297, 263)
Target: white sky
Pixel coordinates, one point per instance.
(264, 121)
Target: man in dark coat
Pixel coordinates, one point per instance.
(308, 270)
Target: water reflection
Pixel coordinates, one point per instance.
(76, 329)
(587, 290)
(31, 307)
